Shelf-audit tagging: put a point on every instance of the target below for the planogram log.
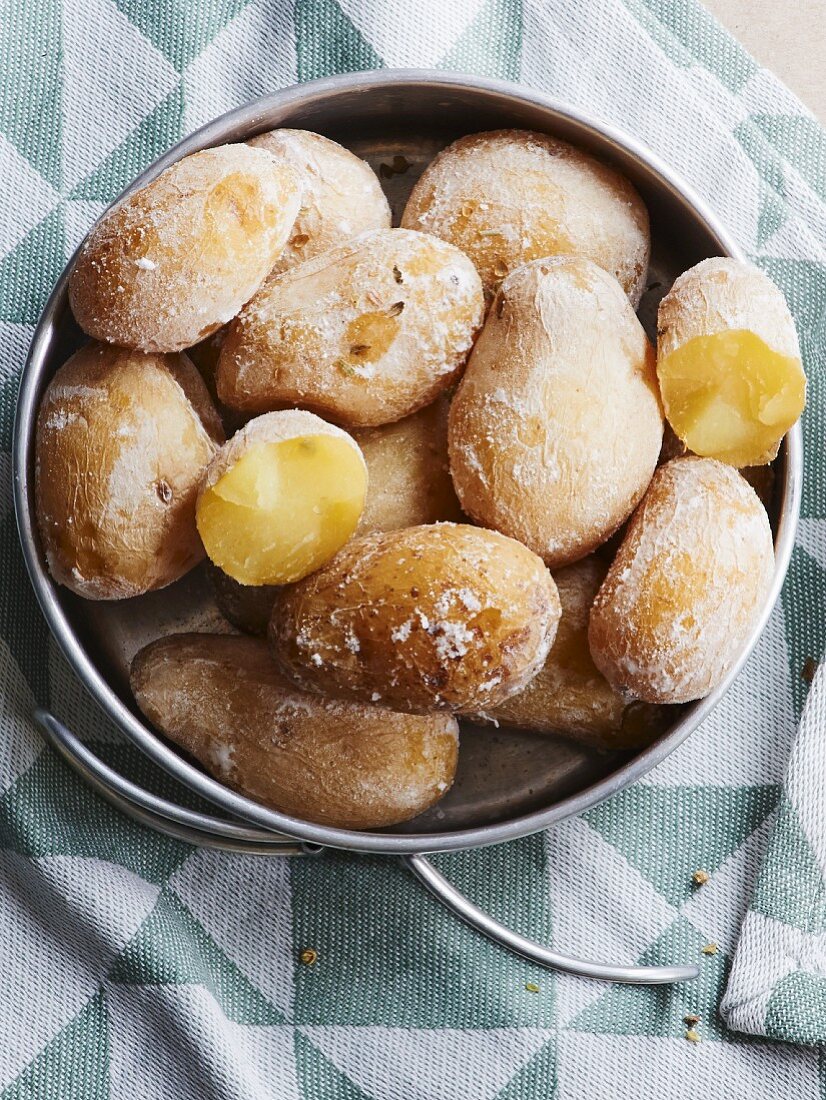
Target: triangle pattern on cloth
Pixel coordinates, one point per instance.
(50, 811)
(791, 887)
(159, 130)
(659, 1010)
(318, 1076)
(22, 626)
(29, 271)
(72, 1066)
(536, 1078)
(30, 102)
(392, 947)
(797, 1006)
(799, 140)
(181, 30)
(98, 43)
(411, 37)
(420, 1064)
(492, 44)
(668, 833)
(804, 609)
(328, 42)
(172, 947)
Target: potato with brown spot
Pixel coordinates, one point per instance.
(122, 442)
(341, 196)
(336, 763)
(687, 585)
(569, 695)
(408, 472)
(363, 334)
(172, 262)
(506, 197)
(556, 427)
(441, 617)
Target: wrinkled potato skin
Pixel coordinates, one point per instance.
(510, 196)
(556, 426)
(341, 764)
(686, 586)
(362, 335)
(171, 263)
(408, 472)
(122, 441)
(443, 617)
(341, 194)
(246, 606)
(569, 695)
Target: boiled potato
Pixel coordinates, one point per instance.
(509, 196)
(569, 695)
(342, 764)
(280, 498)
(408, 472)
(122, 441)
(171, 263)
(687, 585)
(556, 426)
(728, 362)
(341, 196)
(441, 617)
(365, 334)
(246, 606)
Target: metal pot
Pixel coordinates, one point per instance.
(509, 785)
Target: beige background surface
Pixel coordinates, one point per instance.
(788, 37)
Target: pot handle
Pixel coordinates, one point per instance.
(477, 918)
(203, 830)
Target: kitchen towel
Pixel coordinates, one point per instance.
(134, 965)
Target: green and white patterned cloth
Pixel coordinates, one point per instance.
(136, 966)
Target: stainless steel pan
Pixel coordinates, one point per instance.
(509, 784)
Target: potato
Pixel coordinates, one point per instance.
(728, 362)
(281, 498)
(343, 764)
(569, 695)
(509, 196)
(442, 617)
(408, 474)
(171, 263)
(341, 195)
(556, 426)
(121, 443)
(246, 606)
(687, 586)
(364, 334)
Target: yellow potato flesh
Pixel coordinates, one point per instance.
(283, 509)
(730, 397)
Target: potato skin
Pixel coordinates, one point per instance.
(174, 261)
(122, 441)
(509, 196)
(246, 606)
(440, 617)
(341, 196)
(569, 695)
(408, 472)
(687, 584)
(363, 334)
(556, 427)
(343, 764)
(742, 297)
(721, 294)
